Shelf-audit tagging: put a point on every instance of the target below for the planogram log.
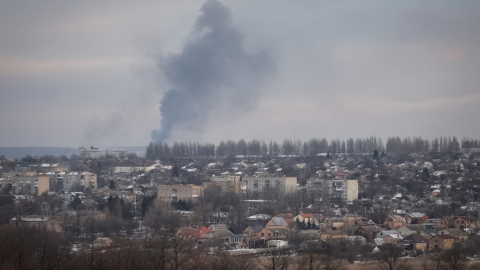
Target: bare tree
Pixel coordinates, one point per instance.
(221, 261)
(317, 259)
(454, 259)
(93, 256)
(275, 258)
(156, 252)
(16, 248)
(243, 262)
(183, 253)
(390, 259)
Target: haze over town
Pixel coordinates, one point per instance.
(239, 135)
(336, 69)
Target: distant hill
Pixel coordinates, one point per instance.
(19, 152)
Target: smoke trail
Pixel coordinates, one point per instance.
(213, 68)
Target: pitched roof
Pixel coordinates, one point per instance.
(256, 228)
(415, 238)
(455, 232)
(396, 218)
(278, 230)
(417, 214)
(445, 236)
(280, 221)
(414, 227)
(335, 232)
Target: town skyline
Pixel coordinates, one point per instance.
(404, 68)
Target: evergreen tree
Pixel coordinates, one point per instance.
(375, 154)
(76, 202)
(425, 173)
(175, 171)
(111, 184)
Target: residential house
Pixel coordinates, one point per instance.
(416, 241)
(407, 230)
(274, 233)
(353, 219)
(416, 218)
(445, 223)
(394, 222)
(441, 242)
(383, 233)
(333, 234)
(39, 222)
(460, 236)
(466, 222)
(277, 222)
(253, 230)
(392, 239)
(369, 232)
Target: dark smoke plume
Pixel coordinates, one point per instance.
(212, 69)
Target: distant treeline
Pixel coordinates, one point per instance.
(310, 147)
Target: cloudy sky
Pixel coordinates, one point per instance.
(76, 73)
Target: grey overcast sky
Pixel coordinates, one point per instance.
(76, 73)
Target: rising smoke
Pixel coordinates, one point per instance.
(212, 69)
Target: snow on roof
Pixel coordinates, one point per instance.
(32, 218)
(45, 165)
(395, 236)
(259, 217)
(238, 173)
(388, 232)
(398, 195)
(417, 214)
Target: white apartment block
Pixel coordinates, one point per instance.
(98, 153)
(67, 180)
(321, 190)
(258, 185)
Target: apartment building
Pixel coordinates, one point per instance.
(30, 184)
(130, 167)
(179, 192)
(35, 184)
(321, 190)
(226, 178)
(94, 152)
(257, 186)
(67, 181)
(224, 184)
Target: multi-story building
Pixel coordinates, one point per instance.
(97, 153)
(322, 190)
(30, 184)
(229, 184)
(224, 178)
(130, 167)
(257, 186)
(35, 184)
(67, 181)
(46, 167)
(179, 192)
